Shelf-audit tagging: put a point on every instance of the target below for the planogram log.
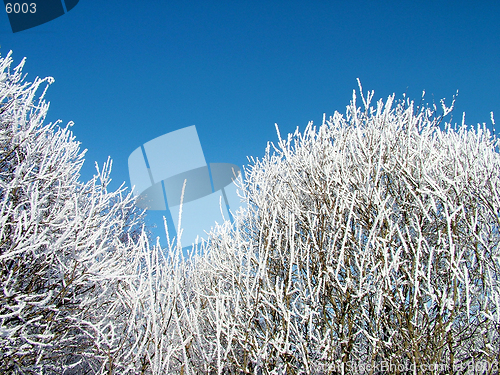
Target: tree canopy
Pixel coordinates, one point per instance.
(368, 243)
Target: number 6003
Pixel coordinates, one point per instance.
(20, 8)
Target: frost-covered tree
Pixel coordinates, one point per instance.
(372, 239)
(68, 249)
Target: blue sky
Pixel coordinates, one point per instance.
(126, 72)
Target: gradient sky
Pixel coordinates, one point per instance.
(128, 71)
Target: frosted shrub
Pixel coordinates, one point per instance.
(372, 239)
(367, 244)
(82, 290)
(68, 250)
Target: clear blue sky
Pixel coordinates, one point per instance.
(128, 71)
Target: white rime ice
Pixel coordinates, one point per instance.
(66, 247)
(370, 239)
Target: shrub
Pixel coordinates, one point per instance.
(371, 240)
(367, 244)
(66, 247)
